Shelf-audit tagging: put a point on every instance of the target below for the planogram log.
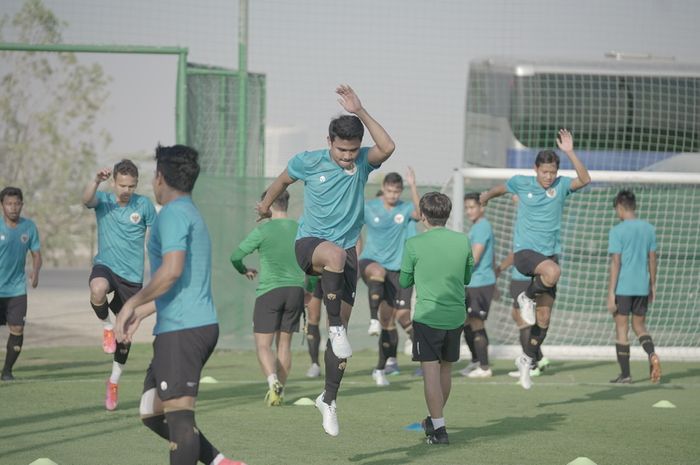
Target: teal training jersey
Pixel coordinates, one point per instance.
(333, 197)
(481, 232)
(387, 231)
(121, 232)
(14, 245)
(274, 240)
(539, 216)
(188, 303)
(440, 263)
(633, 240)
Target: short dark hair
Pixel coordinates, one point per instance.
(346, 127)
(547, 156)
(281, 202)
(10, 191)
(436, 208)
(125, 167)
(626, 199)
(178, 165)
(475, 196)
(393, 178)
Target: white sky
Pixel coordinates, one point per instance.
(407, 59)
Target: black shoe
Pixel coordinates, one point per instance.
(622, 380)
(427, 425)
(439, 436)
(9, 377)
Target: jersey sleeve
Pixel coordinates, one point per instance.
(174, 229)
(614, 242)
(296, 167)
(480, 234)
(249, 245)
(514, 184)
(408, 262)
(565, 182)
(149, 214)
(363, 161)
(100, 199)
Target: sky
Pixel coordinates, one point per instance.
(407, 59)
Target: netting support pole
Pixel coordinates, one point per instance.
(457, 202)
(241, 124)
(181, 100)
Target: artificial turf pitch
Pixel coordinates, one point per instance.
(55, 409)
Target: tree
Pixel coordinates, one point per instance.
(49, 138)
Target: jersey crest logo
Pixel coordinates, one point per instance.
(24, 238)
(135, 218)
(2, 237)
(376, 219)
(529, 195)
(551, 192)
(322, 179)
(398, 219)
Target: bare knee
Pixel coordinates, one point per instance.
(330, 256)
(375, 272)
(98, 291)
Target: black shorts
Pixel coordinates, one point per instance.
(178, 359)
(527, 260)
(304, 249)
(122, 288)
(13, 310)
(278, 310)
(479, 301)
(635, 304)
(517, 288)
(394, 295)
(432, 344)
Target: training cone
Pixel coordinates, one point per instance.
(664, 404)
(304, 401)
(208, 380)
(43, 461)
(413, 427)
(582, 461)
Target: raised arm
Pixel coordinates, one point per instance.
(278, 186)
(565, 142)
(612, 282)
(89, 199)
(415, 198)
(383, 144)
(495, 191)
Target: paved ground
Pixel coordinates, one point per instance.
(59, 312)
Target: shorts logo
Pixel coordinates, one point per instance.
(322, 179)
(191, 384)
(376, 219)
(163, 386)
(551, 192)
(24, 238)
(401, 302)
(398, 219)
(135, 218)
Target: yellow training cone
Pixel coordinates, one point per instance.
(208, 380)
(582, 461)
(43, 461)
(664, 404)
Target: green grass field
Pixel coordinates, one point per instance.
(55, 410)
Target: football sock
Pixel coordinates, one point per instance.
(384, 348)
(647, 344)
(102, 311)
(117, 369)
(537, 335)
(157, 424)
(376, 295)
(332, 284)
(271, 380)
(313, 337)
(122, 352)
(469, 338)
(481, 346)
(14, 347)
(335, 368)
(623, 358)
(524, 337)
(438, 422)
(393, 341)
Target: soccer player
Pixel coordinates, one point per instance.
(632, 283)
(334, 181)
(122, 220)
(480, 289)
(312, 300)
(536, 239)
(387, 220)
(279, 299)
(439, 262)
(17, 236)
(179, 292)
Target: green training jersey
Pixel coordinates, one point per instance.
(440, 263)
(274, 240)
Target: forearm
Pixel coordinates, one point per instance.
(89, 192)
(37, 261)
(278, 186)
(614, 274)
(415, 198)
(381, 138)
(237, 261)
(652, 270)
(581, 171)
(492, 193)
(145, 311)
(160, 283)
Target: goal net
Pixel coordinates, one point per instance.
(581, 326)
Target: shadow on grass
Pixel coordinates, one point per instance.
(614, 392)
(461, 438)
(675, 376)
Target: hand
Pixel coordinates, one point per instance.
(483, 199)
(262, 211)
(124, 325)
(348, 99)
(34, 278)
(103, 175)
(565, 141)
(410, 177)
(251, 273)
(612, 306)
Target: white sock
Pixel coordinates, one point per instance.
(117, 369)
(438, 422)
(271, 380)
(107, 323)
(217, 459)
